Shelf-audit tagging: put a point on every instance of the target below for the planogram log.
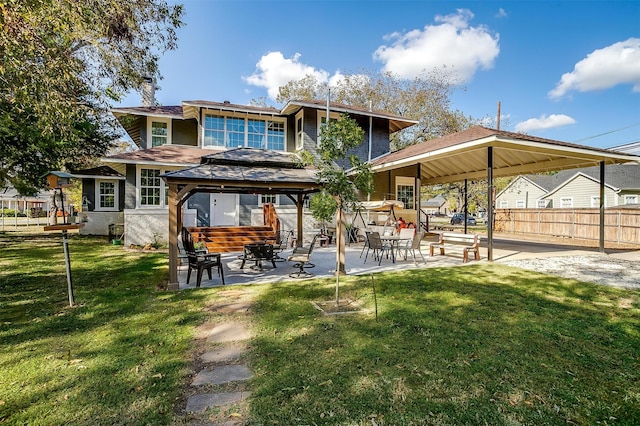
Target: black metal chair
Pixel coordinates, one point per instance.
(302, 256)
(200, 261)
(257, 253)
(282, 241)
(366, 242)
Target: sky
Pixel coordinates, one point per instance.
(563, 70)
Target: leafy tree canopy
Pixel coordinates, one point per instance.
(426, 98)
(62, 63)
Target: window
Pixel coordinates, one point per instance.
(299, 131)
(542, 204)
(106, 195)
(566, 202)
(237, 132)
(151, 187)
(631, 199)
(504, 204)
(159, 132)
(269, 199)
(322, 119)
(520, 204)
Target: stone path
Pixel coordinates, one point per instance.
(220, 384)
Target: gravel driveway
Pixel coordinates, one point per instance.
(597, 268)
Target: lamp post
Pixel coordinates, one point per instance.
(57, 180)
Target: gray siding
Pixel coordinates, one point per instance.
(130, 188)
(184, 132)
(201, 203)
(89, 192)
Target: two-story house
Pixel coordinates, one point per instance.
(131, 191)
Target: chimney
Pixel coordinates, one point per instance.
(148, 92)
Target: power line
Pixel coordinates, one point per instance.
(608, 133)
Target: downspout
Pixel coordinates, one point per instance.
(602, 206)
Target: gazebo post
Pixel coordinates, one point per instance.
(490, 203)
(174, 207)
(299, 205)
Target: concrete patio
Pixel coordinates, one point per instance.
(325, 260)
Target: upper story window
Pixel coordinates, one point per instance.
(542, 204)
(520, 204)
(322, 119)
(631, 199)
(237, 132)
(504, 204)
(299, 130)
(159, 132)
(106, 195)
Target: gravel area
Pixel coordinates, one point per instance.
(597, 268)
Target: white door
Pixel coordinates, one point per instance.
(224, 209)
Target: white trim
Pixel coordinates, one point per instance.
(167, 121)
(116, 195)
(630, 199)
(276, 203)
(246, 116)
(521, 204)
(504, 204)
(163, 189)
(299, 129)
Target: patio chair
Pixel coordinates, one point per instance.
(302, 257)
(282, 241)
(375, 244)
(366, 242)
(200, 261)
(416, 244)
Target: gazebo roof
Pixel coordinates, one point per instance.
(248, 171)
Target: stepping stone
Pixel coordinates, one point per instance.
(224, 354)
(223, 374)
(231, 308)
(199, 403)
(228, 332)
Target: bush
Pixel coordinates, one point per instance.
(11, 213)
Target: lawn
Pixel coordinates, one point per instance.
(480, 344)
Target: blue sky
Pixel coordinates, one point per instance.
(565, 70)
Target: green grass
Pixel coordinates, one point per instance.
(480, 344)
(119, 357)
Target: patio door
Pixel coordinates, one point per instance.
(224, 210)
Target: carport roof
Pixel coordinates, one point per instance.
(463, 155)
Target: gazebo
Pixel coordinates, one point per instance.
(237, 171)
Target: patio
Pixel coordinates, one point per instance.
(325, 260)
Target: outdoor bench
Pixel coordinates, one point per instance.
(456, 241)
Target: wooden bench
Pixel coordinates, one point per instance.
(453, 240)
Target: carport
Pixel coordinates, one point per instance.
(484, 153)
(237, 171)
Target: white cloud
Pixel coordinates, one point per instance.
(544, 122)
(452, 43)
(501, 13)
(602, 69)
(273, 70)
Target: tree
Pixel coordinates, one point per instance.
(62, 63)
(337, 138)
(426, 98)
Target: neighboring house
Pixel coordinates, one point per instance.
(35, 205)
(174, 137)
(433, 206)
(578, 188)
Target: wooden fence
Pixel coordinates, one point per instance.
(621, 225)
